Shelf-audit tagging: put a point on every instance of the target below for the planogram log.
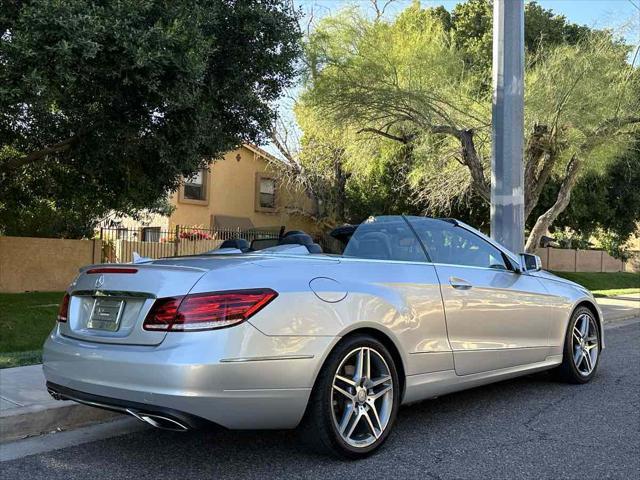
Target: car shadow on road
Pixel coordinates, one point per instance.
(422, 422)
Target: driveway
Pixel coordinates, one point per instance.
(526, 428)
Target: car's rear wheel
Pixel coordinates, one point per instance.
(581, 348)
(355, 401)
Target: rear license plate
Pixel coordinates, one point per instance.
(106, 314)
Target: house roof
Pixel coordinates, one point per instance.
(259, 151)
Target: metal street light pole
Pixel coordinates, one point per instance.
(507, 171)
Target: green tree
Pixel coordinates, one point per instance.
(471, 25)
(605, 203)
(106, 105)
(412, 82)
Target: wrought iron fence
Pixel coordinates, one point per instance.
(119, 244)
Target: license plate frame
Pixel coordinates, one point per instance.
(106, 314)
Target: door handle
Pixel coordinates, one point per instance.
(459, 283)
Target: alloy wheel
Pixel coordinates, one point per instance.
(362, 396)
(585, 344)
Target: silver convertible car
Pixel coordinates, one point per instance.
(409, 308)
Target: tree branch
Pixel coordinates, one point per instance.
(470, 156)
(380, 10)
(614, 123)
(538, 182)
(564, 195)
(284, 151)
(540, 156)
(404, 139)
(17, 162)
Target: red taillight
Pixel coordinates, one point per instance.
(206, 311)
(162, 314)
(63, 310)
(111, 270)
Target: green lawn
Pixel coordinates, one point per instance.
(605, 284)
(25, 321)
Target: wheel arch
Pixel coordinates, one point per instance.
(382, 337)
(596, 312)
(390, 345)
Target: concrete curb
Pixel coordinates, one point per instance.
(621, 318)
(17, 423)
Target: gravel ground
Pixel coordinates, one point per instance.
(531, 427)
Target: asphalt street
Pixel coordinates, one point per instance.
(530, 427)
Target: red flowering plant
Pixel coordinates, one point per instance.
(195, 235)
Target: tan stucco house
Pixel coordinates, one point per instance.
(240, 190)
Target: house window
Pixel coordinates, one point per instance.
(151, 234)
(122, 233)
(194, 187)
(267, 192)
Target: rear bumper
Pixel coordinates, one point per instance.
(174, 419)
(238, 378)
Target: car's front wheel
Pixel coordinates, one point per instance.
(581, 348)
(355, 401)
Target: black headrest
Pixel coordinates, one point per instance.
(314, 248)
(239, 243)
(293, 238)
(371, 245)
(296, 239)
(293, 232)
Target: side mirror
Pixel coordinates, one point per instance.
(530, 263)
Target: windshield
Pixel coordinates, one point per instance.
(379, 238)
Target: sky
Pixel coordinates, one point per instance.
(598, 13)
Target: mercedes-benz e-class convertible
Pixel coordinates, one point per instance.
(409, 308)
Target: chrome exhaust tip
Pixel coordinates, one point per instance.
(55, 395)
(159, 421)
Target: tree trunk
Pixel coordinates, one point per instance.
(341, 186)
(472, 161)
(562, 201)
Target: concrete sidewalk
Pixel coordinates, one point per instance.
(620, 307)
(27, 409)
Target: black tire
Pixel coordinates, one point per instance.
(568, 371)
(319, 428)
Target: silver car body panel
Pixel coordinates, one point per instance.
(259, 374)
(498, 323)
(236, 377)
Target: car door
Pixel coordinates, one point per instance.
(496, 318)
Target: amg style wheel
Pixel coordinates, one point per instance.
(355, 400)
(581, 349)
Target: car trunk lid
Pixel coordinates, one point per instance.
(109, 303)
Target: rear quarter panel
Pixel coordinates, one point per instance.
(400, 299)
